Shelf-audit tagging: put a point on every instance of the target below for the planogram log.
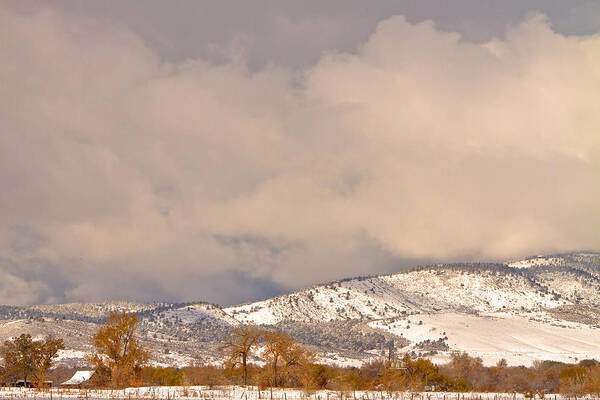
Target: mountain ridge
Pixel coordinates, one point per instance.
(542, 307)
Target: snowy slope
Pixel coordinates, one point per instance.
(518, 339)
(197, 313)
(428, 290)
(539, 261)
(544, 307)
(537, 308)
(92, 310)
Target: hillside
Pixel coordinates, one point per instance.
(537, 308)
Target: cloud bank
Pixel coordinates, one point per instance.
(128, 176)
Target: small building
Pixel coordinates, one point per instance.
(78, 379)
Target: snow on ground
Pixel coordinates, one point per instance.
(70, 354)
(491, 313)
(93, 309)
(429, 290)
(401, 294)
(249, 393)
(195, 313)
(517, 339)
(538, 261)
(16, 321)
(259, 313)
(485, 291)
(331, 358)
(173, 359)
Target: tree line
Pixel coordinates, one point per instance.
(462, 373)
(272, 358)
(118, 358)
(289, 364)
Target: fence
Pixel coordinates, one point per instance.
(248, 393)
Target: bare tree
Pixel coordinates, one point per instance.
(238, 348)
(277, 345)
(288, 361)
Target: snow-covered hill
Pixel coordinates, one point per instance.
(436, 289)
(538, 308)
(546, 283)
(544, 307)
(196, 314)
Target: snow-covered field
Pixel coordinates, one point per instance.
(517, 339)
(249, 393)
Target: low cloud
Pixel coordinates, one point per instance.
(128, 176)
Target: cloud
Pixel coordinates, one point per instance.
(128, 176)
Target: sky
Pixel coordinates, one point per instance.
(228, 151)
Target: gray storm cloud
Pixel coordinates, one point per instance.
(125, 175)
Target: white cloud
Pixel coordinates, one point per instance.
(420, 145)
